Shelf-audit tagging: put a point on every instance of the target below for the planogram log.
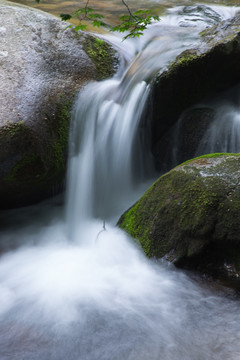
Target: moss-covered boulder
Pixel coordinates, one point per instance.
(42, 66)
(195, 74)
(191, 215)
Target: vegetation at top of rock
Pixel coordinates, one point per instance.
(208, 156)
(102, 56)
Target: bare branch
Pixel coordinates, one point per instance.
(86, 7)
(126, 5)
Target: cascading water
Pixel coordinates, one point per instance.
(216, 130)
(97, 297)
(102, 159)
(223, 135)
(107, 154)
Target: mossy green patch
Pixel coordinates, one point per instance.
(15, 144)
(10, 130)
(184, 58)
(27, 169)
(33, 160)
(131, 223)
(208, 156)
(60, 145)
(102, 56)
(36, 160)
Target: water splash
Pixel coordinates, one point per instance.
(106, 301)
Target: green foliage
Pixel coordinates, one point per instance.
(133, 23)
(84, 14)
(65, 17)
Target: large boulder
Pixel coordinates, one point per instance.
(191, 215)
(43, 65)
(195, 74)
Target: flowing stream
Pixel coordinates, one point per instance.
(72, 285)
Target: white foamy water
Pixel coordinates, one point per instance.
(81, 289)
(105, 300)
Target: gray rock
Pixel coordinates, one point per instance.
(42, 66)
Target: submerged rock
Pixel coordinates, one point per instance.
(191, 215)
(195, 74)
(42, 67)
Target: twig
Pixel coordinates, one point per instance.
(103, 229)
(125, 4)
(86, 6)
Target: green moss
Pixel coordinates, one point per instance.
(27, 169)
(184, 59)
(212, 35)
(13, 130)
(132, 224)
(187, 207)
(139, 222)
(208, 156)
(207, 32)
(60, 144)
(16, 147)
(102, 56)
(39, 161)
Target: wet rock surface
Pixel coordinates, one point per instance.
(42, 66)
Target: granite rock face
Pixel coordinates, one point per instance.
(42, 66)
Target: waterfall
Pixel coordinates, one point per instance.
(109, 147)
(109, 151)
(107, 157)
(223, 135)
(79, 290)
(212, 127)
